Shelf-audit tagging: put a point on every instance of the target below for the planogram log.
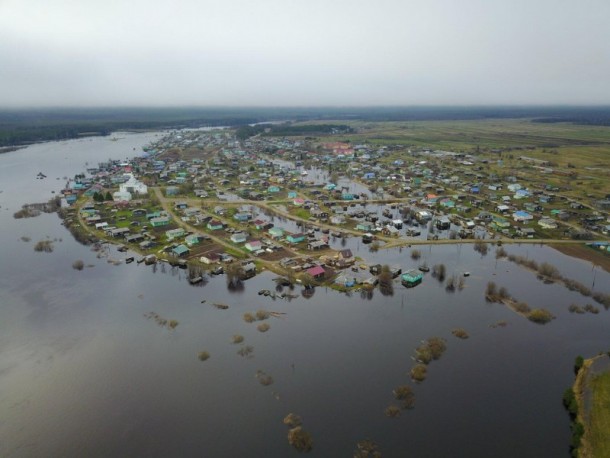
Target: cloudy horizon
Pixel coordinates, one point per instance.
(303, 53)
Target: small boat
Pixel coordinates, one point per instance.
(424, 268)
(195, 280)
(466, 274)
(129, 260)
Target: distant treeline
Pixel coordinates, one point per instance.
(288, 129)
(24, 126)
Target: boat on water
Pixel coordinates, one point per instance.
(424, 268)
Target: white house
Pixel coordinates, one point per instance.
(133, 186)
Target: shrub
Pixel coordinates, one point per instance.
(578, 363)
(569, 402)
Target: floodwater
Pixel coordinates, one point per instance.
(84, 373)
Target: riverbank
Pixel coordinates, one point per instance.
(592, 390)
(582, 251)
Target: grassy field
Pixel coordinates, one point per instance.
(597, 435)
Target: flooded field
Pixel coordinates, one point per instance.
(89, 368)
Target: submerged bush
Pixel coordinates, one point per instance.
(491, 291)
(521, 307)
(263, 327)
(44, 246)
(293, 420)
(78, 265)
(249, 318)
(481, 247)
(423, 354)
(500, 252)
(392, 411)
(540, 316)
(262, 314)
(415, 254)
(246, 351)
(460, 333)
(203, 356)
(300, 439)
(419, 372)
(367, 449)
(437, 346)
(591, 309)
(439, 271)
(237, 339)
(264, 379)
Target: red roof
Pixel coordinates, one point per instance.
(315, 271)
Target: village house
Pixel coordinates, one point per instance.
(295, 238)
(215, 225)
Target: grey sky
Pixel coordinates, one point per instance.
(304, 52)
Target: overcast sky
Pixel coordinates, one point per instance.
(304, 52)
